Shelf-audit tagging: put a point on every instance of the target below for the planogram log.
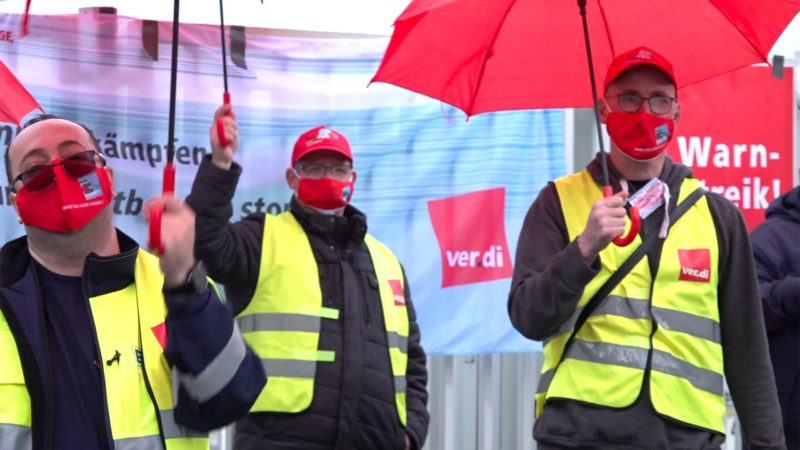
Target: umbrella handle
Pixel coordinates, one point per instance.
(157, 211)
(223, 141)
(636, 222)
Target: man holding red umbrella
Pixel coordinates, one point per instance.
(638, 340)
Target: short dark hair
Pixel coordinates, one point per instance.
(35, 120)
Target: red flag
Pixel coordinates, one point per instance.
(15, 101)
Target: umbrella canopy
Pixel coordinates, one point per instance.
(15, 101)
(497, 55)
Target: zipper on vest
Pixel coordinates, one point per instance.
(153, 400)
(98, 357)
(147, 380)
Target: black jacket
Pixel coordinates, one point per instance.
(776, 246)
(353, 405)
(191, 345)
(549, 277)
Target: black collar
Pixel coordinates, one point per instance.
(348, 228)
(102, 274)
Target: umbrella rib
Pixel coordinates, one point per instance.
(764, 57)
(173, 82)
(486, 57)
(607, 28)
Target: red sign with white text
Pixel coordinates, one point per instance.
(735, 133)
(695, 265)
(471, 232)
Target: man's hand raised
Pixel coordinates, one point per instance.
(223, 156)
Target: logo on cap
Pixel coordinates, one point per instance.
(644, 54)
(325, 133)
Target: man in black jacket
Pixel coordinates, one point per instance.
(645, 369)
(776, 246)
(325, 305)
(103, 345)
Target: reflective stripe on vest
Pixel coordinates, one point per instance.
(630, 308)
(606, 361)
(15, 437)
(282, 322)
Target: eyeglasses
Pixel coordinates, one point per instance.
(42, 176)
(631, 103)
(339, 171)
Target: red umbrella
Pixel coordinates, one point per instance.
(15, 101)
(482, 56)
(499, 55)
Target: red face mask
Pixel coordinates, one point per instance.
(325, 194)
(67, 204)
(641, 135)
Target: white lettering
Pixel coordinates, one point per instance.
(695, 153)
(722, 156)
(452, 257)
(732, 194)
(491, 258)
(462, 259)
(738, 149)
(752, 194)
(473, 256)
(758, 155)
(760, 194)
(694, 273)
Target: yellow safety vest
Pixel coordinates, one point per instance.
(606, 361)
(136, 422)
(283, 320)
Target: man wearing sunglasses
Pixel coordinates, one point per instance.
(103, 345)
(323, 303)
(635, 357)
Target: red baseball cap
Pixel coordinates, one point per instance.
(637, 57)
(321, 138)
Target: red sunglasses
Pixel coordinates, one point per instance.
(42, 176)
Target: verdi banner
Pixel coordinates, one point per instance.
(446, 194)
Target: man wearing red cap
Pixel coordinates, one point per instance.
(635, 355)
(322, 302)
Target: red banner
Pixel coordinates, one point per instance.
(735, 132)
(471, 232)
